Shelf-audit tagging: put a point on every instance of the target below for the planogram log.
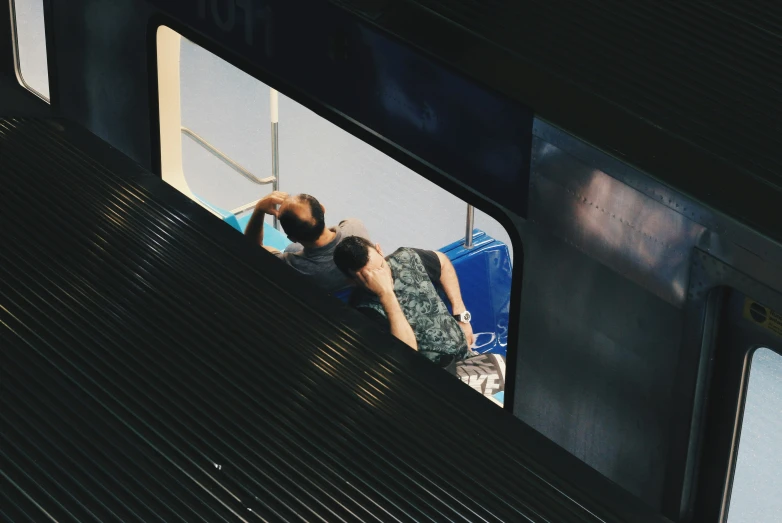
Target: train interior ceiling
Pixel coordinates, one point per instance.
(611, 211)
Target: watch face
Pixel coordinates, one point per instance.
(466, 316)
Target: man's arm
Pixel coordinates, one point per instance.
(380, 282)
(266, 205)
(396, 318)
(450, 284)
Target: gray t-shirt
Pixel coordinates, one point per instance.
(318, 263)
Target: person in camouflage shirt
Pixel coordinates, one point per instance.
(400, 292)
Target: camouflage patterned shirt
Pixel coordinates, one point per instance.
(436, 331)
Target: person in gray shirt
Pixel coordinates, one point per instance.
(312, 252)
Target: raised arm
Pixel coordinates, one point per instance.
(380, 282)
(450, 284)
(266, 205)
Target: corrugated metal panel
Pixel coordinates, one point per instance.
(708, 72)
(153, 368)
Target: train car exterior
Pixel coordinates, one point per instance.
(647, 271)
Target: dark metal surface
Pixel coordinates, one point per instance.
(735, 243)
(154, 368)
(597, 358)
(659, 240)
(101, 71)
(624, 229)
(601, 328)
(705, 71)
(687, 91)
(583, 319)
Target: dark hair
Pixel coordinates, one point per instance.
(352, 254)
(300, 230)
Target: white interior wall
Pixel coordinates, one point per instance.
(352, 179)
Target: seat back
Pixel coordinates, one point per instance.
(484, 273)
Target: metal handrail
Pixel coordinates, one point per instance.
(244, 208)
(468, 243)
(470, 223)
(225, 159)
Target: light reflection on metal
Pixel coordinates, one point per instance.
(370, 386)
(624, 229)
(226, 160)
(367, 397)
(367, 390)
(729, 240)
(327, 369)
(469, 227)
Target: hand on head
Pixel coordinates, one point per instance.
(378, 281)
(269, 203)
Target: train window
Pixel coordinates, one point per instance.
(758, 478)
(217, 147)
(231, 110)
(30, 46)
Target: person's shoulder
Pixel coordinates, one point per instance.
(427, 258)
(353, 227)
(350, 223)
(403, 255)
(291, 253)
(293, 248)
(410, 251)
(425, 255)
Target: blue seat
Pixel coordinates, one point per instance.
(485, 273)
(271, 236)
(344, 294)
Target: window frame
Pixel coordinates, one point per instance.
(413, 162)
(17, 55)
(734, 345)
(746, 376)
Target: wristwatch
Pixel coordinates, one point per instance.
(464, 317)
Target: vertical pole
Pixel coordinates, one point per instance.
(470, 223)
(274, 108)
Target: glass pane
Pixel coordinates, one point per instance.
(230, 109)
(757, 484)
(31, 45)
(353, 179)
